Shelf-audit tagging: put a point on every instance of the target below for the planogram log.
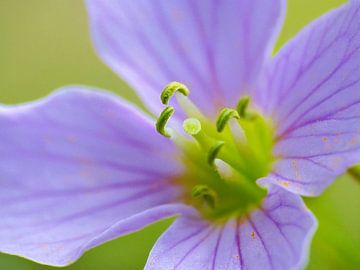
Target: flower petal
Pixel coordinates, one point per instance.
(276, 236)
(72, 166)
(312, 91)
(215, 47)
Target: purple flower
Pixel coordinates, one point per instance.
(82, 167)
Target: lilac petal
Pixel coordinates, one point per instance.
(275, 236)
(215, 47)
(312, 91)
(72, 167)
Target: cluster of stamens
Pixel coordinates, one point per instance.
(229, 145)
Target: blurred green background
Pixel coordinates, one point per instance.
(45, 44)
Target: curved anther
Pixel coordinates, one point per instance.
(192, 126)
(354, 172)
(214, 151)
(224, 117)
(170, 90)
(242, 109)
(162, 120)
(205, 193)
(242, 106)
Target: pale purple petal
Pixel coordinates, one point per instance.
(215, 47)
(311, 90)
(275, 236)
(74, 165)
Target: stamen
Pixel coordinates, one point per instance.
(224, 117)
(242, 109)
(354, 172)
(170, 90)
(242, 106)
(162, 120)
(214, 151)
(205, 193)
(192, 126)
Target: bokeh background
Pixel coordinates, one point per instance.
(45, 44)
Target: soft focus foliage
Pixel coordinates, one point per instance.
(45, 44)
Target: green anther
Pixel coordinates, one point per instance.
(242, 109)
(192, 126)
(162, 120)
(170, 90)
(224, 117)
(242, 106)
(354, 172)
(205, 193)
(214, 151)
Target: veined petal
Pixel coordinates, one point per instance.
(79, 168)
(312, 91)
(215, 47)
(275, 236)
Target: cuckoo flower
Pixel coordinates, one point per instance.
(246, 136)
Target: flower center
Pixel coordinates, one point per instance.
(223, 158)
